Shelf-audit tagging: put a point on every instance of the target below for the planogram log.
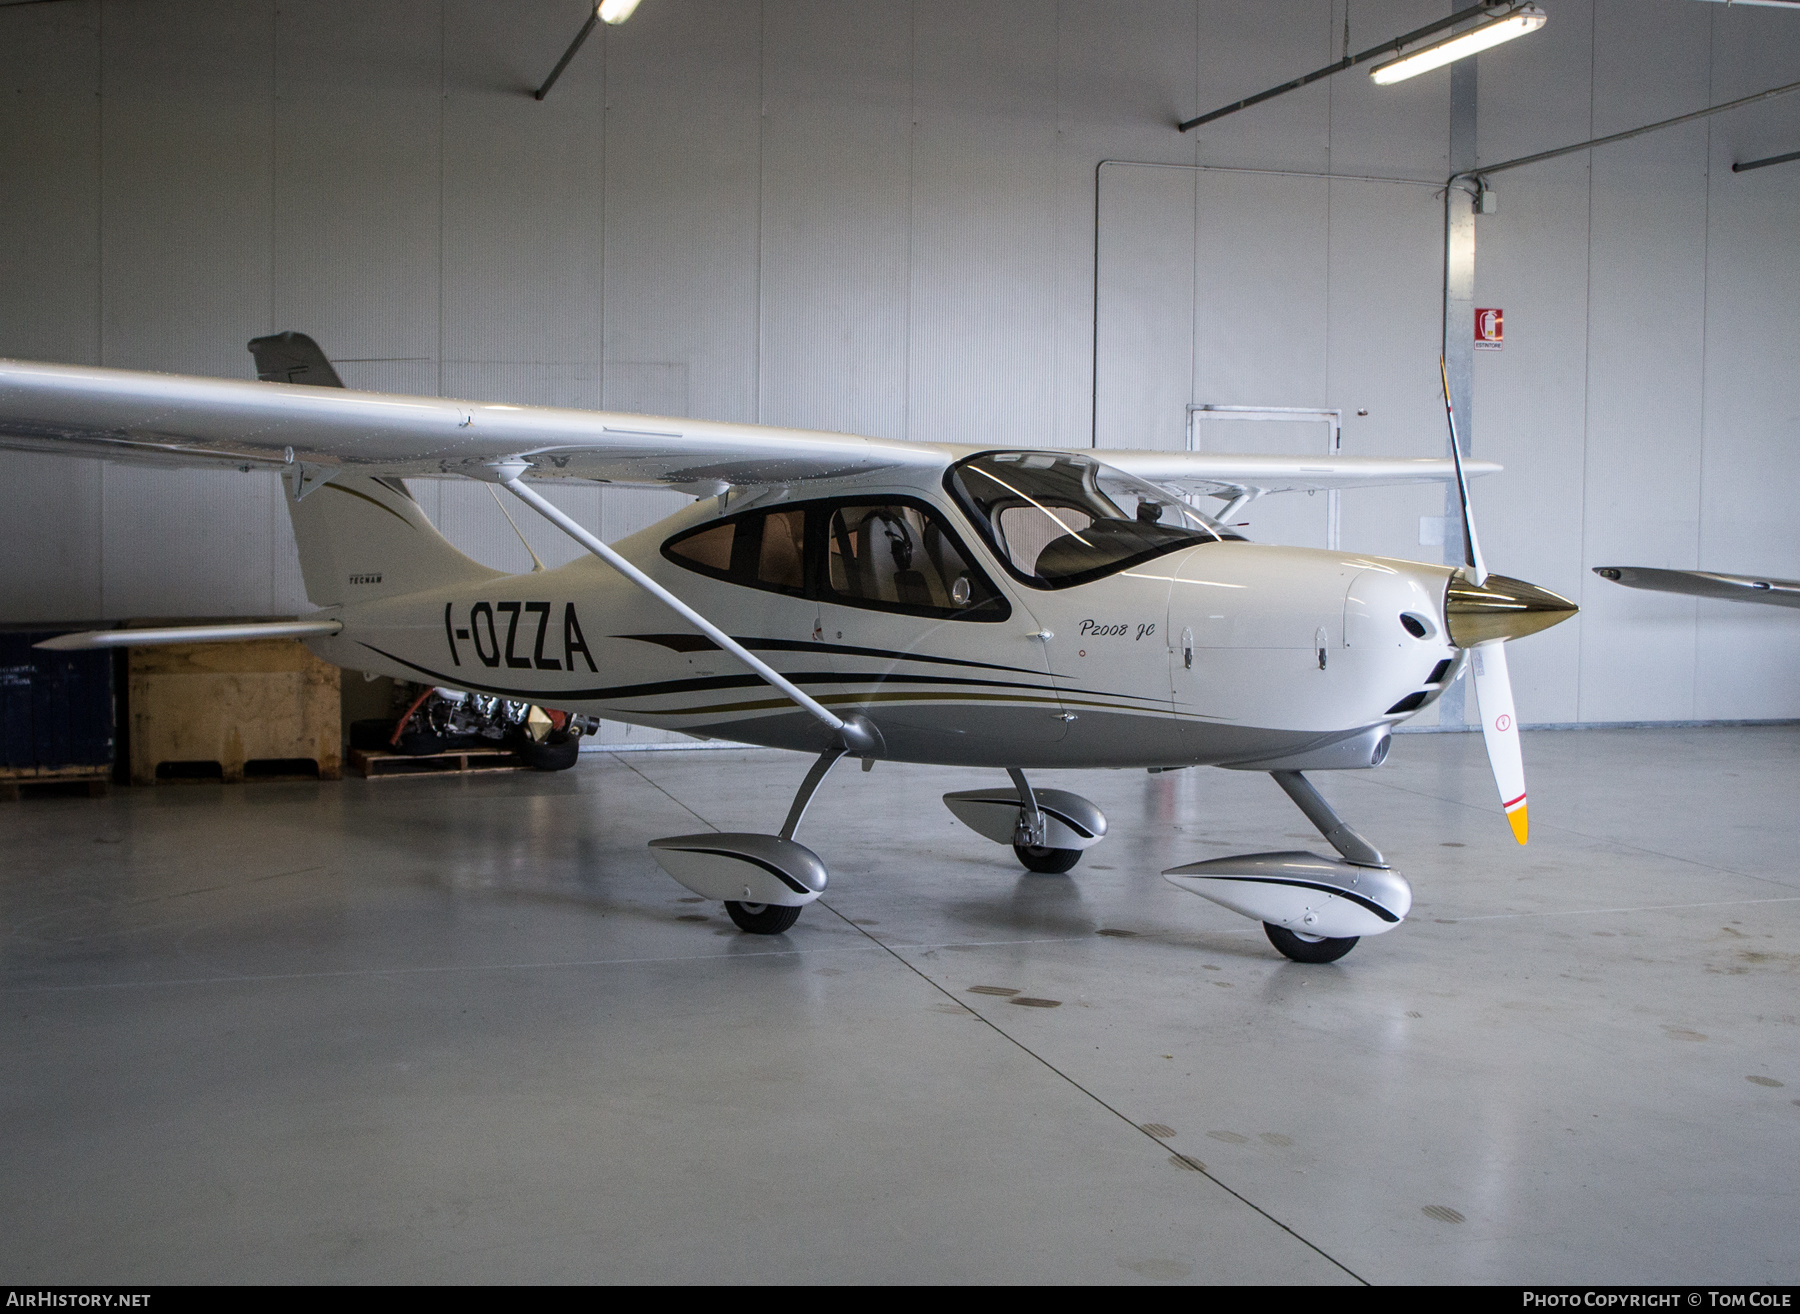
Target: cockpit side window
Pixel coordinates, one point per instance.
(1058, 519)
(891, 554)
(898, 556)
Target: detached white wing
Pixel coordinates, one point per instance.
(1707, 584)
(172, 419)
(1232, 476)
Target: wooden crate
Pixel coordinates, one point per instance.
(95, 780)
(266, 701)
(374, 764)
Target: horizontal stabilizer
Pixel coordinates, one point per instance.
(146, 638)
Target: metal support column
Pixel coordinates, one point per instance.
(1459, 318)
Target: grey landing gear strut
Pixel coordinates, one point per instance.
(1314, 909)
(1047, 828)
(764, 880)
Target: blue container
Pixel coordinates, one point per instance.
(56, 708)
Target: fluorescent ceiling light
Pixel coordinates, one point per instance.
(1765, 4)
(616, 11)
(1529, 18)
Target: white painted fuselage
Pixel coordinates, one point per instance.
(1223, 653)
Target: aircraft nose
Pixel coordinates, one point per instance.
(1500, 608)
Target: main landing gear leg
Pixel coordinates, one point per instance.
(1314, 909)
(771, 918)
(1338, 833)
(763, 880)
(1031, 830)
(1335, 829)
(1047, 828)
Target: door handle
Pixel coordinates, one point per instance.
(1187, 650)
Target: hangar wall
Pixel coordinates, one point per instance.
(881, 218)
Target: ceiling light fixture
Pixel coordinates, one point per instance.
(1516, 23)
(616, 11)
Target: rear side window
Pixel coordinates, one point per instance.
(710, 549)
(887, 555)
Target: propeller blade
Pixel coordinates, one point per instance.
(1471, 546)
(1500, 729)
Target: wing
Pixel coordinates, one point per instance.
(1706, 584)
(171, 419)
(1230, 476)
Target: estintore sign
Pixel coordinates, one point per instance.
(1490, 329)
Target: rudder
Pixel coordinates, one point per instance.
(361, 538)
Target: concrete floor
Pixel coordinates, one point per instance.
(465, 1030)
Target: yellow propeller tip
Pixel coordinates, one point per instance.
(1521, 823)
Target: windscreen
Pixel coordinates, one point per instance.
(1059, 519)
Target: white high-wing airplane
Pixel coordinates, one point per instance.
(947, 604)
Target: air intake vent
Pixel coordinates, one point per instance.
(1411, 703)
(1438, 672)
(1413, 625)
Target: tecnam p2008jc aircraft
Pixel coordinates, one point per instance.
(957, 605)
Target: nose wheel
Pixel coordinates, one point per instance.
(1307, 948)
(1046, 861)
(766, 918)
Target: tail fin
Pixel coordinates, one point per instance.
(362, 538)
(359, 537)
(293, 358)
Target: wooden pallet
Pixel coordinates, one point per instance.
(374, 763)
(96, 780)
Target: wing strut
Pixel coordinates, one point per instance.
(856, 734)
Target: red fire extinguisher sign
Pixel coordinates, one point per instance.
(1490, 329)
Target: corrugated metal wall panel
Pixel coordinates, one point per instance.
(1396, 131)
(837, 133)
(1531, 259)
(186, 200)
(50, 536)
(523, 188)
(50, 294)
(1124, 74)
(188, 542)
(1384, 329)
(1145, 324)
(50, 203)
(683, 147)
(1744, 656)
(1646, 349)
(1245, 49)
(982, 345)
(358, 117)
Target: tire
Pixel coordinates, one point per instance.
(1308, 951)
(762, 918)
(1047, 862)
(558, 752)
(419, 743)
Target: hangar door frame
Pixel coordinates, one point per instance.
(1332, 418)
